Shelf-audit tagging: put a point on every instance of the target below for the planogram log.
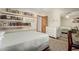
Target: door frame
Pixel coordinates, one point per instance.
(37, 23)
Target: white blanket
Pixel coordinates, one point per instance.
(24, 40)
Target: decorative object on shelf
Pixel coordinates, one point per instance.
(3, 17)
(76, 20)
(19, 12)
(28, 14)
(11, 19)
(11, 10)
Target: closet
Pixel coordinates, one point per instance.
(12, 20)
(41, 23)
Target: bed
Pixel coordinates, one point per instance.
(24, 41)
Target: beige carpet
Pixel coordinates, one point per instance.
(59, 44)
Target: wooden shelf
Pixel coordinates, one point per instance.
(12, 30)
(9, 13)
(7, 20)
(13, 26)
(15, 14)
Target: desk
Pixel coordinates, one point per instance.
(75, 37)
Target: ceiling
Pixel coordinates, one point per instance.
(65, 11)
(44, 11)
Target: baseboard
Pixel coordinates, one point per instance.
(54, 37)
(45, 49)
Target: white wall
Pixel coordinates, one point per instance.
(54, 21)
(54, 17)
(67, 22)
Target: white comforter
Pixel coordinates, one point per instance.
(23, 40)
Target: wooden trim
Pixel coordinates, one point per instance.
(54, 37)
(37, 22)
(70, 41)
(44, 23)
(45, 49)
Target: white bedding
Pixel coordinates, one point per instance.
(23, 40)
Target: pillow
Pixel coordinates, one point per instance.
(2, 33)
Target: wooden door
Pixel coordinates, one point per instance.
(44, 23)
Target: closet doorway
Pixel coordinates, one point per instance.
(41, 23)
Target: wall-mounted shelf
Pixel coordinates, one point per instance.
(12, 30)
(9, 13)
(15, 14)
(7, 20)
(12, 26)
(10, 21)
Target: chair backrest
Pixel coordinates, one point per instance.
(70, 41)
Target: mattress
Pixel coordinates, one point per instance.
(24, 41)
